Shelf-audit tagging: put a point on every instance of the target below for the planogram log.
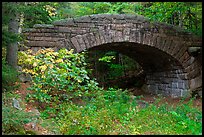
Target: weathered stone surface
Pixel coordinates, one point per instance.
(16, 104)
(82, 19)
(81, 42)
(43, 43)
(64, 22)
(86, 41)
(196, 82)
(91, 39)
(76, 44)
(24, 77)
(43, 26)
(161, 49)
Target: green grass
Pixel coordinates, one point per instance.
(114, 112)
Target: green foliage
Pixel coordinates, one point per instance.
(57, 76)
(37, 13)
(12, 118)
(110, 65)
(114, 112)
(106, 58)
(184, 14)
(9, 76)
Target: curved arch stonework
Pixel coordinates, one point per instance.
(160, 48)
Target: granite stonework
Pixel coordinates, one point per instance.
(110, 29)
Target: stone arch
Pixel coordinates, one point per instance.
(163, 77)
(129, 32)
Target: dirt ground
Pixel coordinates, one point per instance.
(169, 100)
(22, 91)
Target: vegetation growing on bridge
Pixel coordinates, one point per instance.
(62, 89)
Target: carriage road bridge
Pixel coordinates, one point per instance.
(170, 56)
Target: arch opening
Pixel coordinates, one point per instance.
(163, 74)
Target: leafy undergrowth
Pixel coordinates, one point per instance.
(111, 112)
(114, 112)
(70, 102)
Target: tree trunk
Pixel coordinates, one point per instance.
(12, 48)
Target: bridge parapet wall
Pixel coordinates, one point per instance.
(97, 27)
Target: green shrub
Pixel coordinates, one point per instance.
(57, 76)
(9, 76)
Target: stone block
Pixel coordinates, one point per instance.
(47, 30)
(119, 21)
(180, 52)
(171, 48)
(138, 37)
(108, 37)
(86, 41)
(159, 41)
(126, 34)
(100, 27)
(25, 77)
(81, 42)
(82, 19)
(183, 76)
(92, 39)
(112, 35)
(176, 48)
(75, 43)
(174, 85)
(42, 44)
(79, 31)
(43, 26)
(165, 92)
(184, 57)
(196, 82)
(64, 22)
(181, 85)
(97, 37)
(167, 45)
(118, 36)
(176, 93)
(148, 38)
(162, 46)
(85, 25)
(165, 80)
(193, 74)
(101, 35)
(64, 29)
(68, 44)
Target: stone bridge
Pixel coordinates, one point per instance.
(170, 56)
